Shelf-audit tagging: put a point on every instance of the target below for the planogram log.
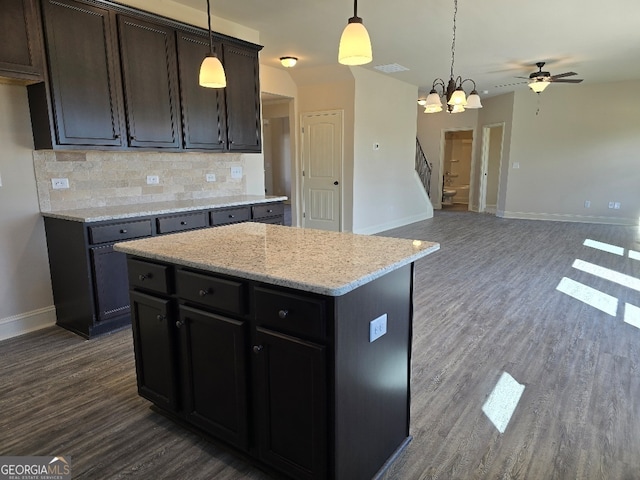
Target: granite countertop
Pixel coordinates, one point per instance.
(98, 214)
(319, 261)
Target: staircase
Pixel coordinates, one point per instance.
(423, 168)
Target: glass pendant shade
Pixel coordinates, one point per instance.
(433, 108)
(212, 73)
(473, 100)
(457, 109)
(355, 45)
(458, 97)
(538, 85)
(433, 99)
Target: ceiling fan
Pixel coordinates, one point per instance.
(540, 80)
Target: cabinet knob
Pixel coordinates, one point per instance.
(183, 223)
(283, 313)
(124, 230)
(231, 216)
(257, 348)
(179, 323)
(160, 318)
(269, 211)
(205, 292)
(143, 277)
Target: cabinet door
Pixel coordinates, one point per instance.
(149, 70)
(154, 346)
(242, 98)
(20, 50)
(84, 73)
(203, 117)
(111, 284)
(291, 399)
(214, 354)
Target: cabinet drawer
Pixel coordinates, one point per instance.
(230, 215)
(268, 210)
(218, 293)
(150, 276)
(178, 223)
(290, 313)
(119, 231)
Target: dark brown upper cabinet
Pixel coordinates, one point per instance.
(203, 109)
(20, 48)
(84, 78)
(242, 96)
(149, 72)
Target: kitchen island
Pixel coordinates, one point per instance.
(291, 345)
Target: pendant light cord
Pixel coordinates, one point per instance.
(209, 22)
(453, 43)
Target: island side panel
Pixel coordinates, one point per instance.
(372, 378)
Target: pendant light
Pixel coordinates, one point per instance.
(355, 44)
(211, 71)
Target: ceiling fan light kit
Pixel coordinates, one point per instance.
(538, 86)
(540, 80)
(211, 70)
(355, 44)
(457, 100)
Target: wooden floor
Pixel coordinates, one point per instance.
(485, 304)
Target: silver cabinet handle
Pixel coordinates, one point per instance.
(283, 313)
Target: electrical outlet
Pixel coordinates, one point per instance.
(587, 203)
(616, 205)
(236, 172)
(377, 327)
(59, 183)
(611, 204)
(516, 165)
(210, 177)
(153, 179)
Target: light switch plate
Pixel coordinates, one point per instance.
(153, 179)
(377, 327)
(210, 177)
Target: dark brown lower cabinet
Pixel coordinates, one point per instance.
(214, 350)
(111, 288)
(153, 341)
(291, 401)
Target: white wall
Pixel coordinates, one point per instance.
(583, 145)
(386, 190)
(26, 301)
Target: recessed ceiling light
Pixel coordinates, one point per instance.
(391, 68)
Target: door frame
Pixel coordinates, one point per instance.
(472, 175)
(484, 164)
(301, 176)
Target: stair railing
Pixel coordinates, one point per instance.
(423, 168)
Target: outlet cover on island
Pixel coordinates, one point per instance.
(59, 183)
(210, 177)
(377, 327)
(153, 179)
(236, 172)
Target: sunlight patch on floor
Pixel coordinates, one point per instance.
(503, 401)
(632, 315)
(634, 255)
(605, 247)
(590, 296)
(608, 274)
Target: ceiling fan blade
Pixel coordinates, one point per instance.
(526, 78)
(568, 80)
(561, 75)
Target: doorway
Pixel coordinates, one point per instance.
(456, 167)
(492, 140)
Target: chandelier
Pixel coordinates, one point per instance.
(457, 100)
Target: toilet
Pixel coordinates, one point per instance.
(447, 195)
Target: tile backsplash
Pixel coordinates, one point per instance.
(99, 178)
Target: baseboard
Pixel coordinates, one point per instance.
(401, 222)
(27, 322)
(565, 217)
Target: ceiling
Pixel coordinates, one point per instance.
(496, 40)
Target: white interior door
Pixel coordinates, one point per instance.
(322, 159)
(492, 138)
